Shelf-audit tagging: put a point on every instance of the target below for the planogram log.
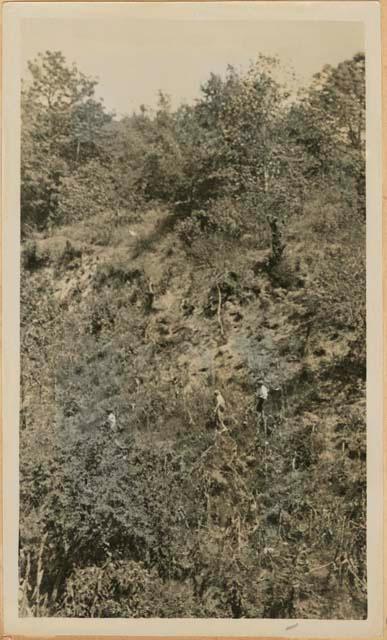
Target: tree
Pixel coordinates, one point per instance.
(62, 125)
(256, 159)
(329, 122)
(162, 164)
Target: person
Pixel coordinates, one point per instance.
(111, 420)
(149, 297)
(261, 396)
(220, 408)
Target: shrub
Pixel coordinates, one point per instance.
(221, 218)
(32, 257)
(119, 589)
(68, 255)
(85, 193)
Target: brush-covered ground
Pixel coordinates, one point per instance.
(167, 517)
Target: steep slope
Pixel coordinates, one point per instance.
(253, 522)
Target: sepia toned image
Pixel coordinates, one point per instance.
(193, 354)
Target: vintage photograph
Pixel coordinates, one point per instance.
(192, 432)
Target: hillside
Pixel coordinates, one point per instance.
(171, 260)
(171, 518)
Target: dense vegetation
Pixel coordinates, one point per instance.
(165, 255)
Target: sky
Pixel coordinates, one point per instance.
(136, 53)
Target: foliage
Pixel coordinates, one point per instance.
(86, 192)
(329, 122)
(167, 254)
(61, 127)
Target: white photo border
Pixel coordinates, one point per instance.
(367, 12)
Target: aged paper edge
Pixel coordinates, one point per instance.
(289, 623)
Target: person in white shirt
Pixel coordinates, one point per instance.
(261, 396)
(111, 420)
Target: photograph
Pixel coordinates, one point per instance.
(192, 249)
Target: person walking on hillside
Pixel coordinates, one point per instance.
(261, 395)
(111, 420)
(111, 425)
(149, 297)
(219, 411)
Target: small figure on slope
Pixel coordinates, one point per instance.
(111, 420)
(219, 411)
(261, 396)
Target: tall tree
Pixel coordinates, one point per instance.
(329, 122)
(61, 126)
(247, 112)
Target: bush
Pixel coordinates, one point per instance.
(222, 219)
(85, 193)
(116, 274)
(32, 257)
(68, 255)
(119, 589)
